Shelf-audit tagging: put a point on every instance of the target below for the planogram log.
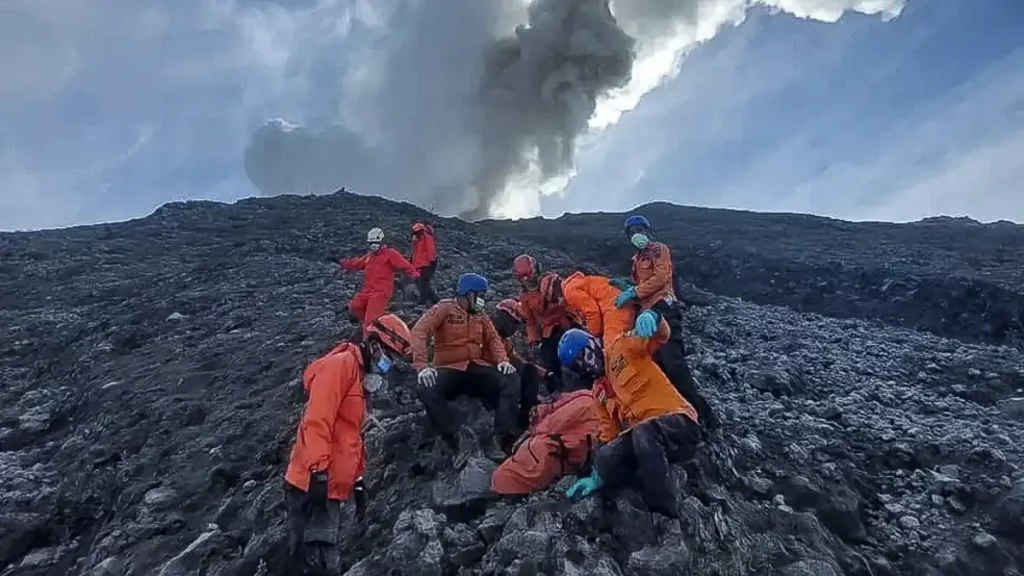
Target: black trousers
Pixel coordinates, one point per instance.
(313, 535)
(643, 455)
(479, 381)
(549, 360)
(671, 358)
(427, 293)
(529, 390)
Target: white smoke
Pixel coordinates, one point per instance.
(460, 114)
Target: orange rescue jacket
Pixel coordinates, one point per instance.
(379, 269)
(328, 436)
(459, 338)
(559, 441)
(541, 320)
(641, 390)
(652, 274)
(592, 300)
(424, 249)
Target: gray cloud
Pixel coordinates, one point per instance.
(460, 110)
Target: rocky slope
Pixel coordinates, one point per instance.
(950, 276)
(150, 391)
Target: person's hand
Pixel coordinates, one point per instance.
(623, 298)
(584, 487)
(427, 377)
(506, 368)
(646, 324)
(359, 498)
(316, 494)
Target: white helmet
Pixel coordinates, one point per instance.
(375, 236)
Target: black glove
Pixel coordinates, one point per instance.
(359, 497)
(316, 495)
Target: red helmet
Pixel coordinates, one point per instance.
(511, 307)
(419, 227)
(392, 332)
(550, 288)
(524, 267)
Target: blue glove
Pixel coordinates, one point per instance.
(583, 487)
(625, 297)
(646, 324)
(621, 284)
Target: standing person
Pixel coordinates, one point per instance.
(424, 259)
(546, 319)
(653, 288)
(328, 458)
(465, 344)
(379, 266)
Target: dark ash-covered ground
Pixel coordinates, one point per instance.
(150, 390)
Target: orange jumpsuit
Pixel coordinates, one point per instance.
(652, 274)
(592, 300)
(328, 436)
(374, 298)
(559, 441)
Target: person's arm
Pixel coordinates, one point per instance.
(584, 305)
(530, 319)
(662, 276)
(494, 342)
(325, 394)
(355, 263)
(424, 329)
(400, 263)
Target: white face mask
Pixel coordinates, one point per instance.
(373, 382)
(374, 247)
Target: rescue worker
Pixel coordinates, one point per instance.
(328, 458)
(591, 299)
(469, 359)
(660, 426)
(545, 320)
(379, 266)
(653, 288)
(424, 260)
(561, 439)
(507, 320)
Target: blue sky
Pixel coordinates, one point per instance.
(104, 115)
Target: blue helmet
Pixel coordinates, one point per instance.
(636, 220)
(470, 282)
(573, 341)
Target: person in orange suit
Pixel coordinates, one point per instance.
(424, 259)
(469, 359)
(546, 320)
(379, 266)
(591, 299)
(561, 439)
(660, 425)
(328, 458)
(653, 287)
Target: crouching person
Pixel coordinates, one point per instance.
(561, 439)
(661, 427)
(328, 459)
(464, 342)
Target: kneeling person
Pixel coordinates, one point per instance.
(662, 427)
(328, 459)
(464, 341)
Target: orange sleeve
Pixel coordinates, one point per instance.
(357, 263)
(583, 304)
(493, 342)
(530, 319)
(399, 262)
(325, 393)
(424, 328)
(662, 276)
